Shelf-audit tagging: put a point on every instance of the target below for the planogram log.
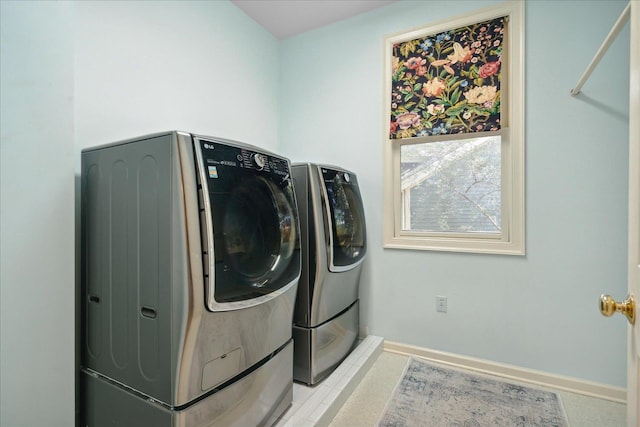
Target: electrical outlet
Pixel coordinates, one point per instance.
(441, 304)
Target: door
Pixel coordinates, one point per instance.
(633, 359)
(250, 225)
(629, 307)
(345, 219)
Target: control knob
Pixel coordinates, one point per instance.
(259, 160)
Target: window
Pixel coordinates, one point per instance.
(454, 134)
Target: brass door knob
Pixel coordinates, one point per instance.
(608, 306)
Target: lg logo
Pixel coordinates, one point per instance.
(208, 146)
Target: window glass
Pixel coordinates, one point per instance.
(452, 186)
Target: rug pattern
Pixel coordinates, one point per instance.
(438, 396)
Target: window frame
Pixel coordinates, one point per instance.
(511, 239)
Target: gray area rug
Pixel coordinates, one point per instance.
(438, 396)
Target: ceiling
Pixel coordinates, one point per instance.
(287, 18)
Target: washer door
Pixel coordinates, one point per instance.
(259, 237)
(346, 219)
(250, 226)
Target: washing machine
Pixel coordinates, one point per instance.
(190, 265)
(334, 244)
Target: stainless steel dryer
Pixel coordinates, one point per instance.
(334, 243)
(190, 264)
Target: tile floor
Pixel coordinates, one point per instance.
(316, 406)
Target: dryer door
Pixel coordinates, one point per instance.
(348, 237)
(250, 216)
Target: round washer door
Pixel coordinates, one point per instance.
(259, 233)
(249, 221)
(347, 221)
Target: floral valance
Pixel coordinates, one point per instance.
(448, 83)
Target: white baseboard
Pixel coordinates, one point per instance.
(573, 385)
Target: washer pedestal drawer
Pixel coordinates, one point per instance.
(256, 399)
(318, 351)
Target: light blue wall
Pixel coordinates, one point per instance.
(76, 74)
(37, 218)
(150, 66)
(538, 311)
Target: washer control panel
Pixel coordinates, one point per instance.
(217, 154)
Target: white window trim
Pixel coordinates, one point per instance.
(511, 241)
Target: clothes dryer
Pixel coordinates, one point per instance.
(334, 244)
(190, 264)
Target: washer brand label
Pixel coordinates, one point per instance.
(213, 172)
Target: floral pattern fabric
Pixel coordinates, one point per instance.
(448, 83)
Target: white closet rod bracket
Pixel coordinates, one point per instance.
(605, 45)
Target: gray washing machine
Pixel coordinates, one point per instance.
(190, 265)
(334, 244)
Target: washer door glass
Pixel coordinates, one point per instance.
(348, 224)
(255, 238)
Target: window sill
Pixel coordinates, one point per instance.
(481, 246)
